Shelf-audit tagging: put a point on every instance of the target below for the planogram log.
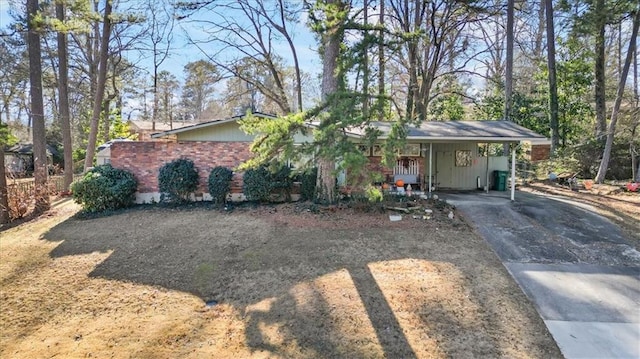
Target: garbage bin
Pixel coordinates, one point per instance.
(500, 180)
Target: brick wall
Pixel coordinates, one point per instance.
(144, 160)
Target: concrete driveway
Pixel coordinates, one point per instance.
(577, 267)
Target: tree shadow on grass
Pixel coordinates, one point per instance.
(284, 280)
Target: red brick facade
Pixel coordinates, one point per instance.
(144, 160)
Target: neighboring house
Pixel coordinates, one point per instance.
(103, 154)
(18, 159)
(438, 155)
(145, 129)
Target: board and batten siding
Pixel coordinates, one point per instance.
(447, 175)
(226, 132)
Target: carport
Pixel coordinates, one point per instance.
(453, 151)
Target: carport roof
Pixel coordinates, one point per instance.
(479, 131)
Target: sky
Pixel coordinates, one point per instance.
(183, 52)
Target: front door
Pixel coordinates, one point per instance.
(444, 169)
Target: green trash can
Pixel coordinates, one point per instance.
(500, 180)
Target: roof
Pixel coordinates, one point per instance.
(208, 124)
(27, 149)
(160, 126)
(109, 143)
(481, 131)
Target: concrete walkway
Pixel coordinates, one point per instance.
(577, 267)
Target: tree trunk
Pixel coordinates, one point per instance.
(102, 78)
(600, 99)
(37, 111)
(154, 114)
(508, 83)
(4, 197)
(381, 100)
(635, 175)
(365, 63)
(331, 41)
(606, 155)
(553, 89)
(63, 93)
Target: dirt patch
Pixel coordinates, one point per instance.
(613, 202)
(288, 280)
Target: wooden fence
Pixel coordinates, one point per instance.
(27, 185)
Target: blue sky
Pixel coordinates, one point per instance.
(4, 13)
(184, 53)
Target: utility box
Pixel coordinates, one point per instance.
(500, 180)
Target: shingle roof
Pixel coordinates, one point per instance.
(462, 130)
(207, 124)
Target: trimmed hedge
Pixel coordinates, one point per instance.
(220, 183)
(259, 183)
(177, 180)
(105, 188)
(308, 185)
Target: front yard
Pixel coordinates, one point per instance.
(280, 282)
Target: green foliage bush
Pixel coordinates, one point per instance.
(282, 182)
(177, 180)
(220, 183)
(105, 188)
(259, 183)
(373, 194)
(308, 185)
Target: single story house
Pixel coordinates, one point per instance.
(145, 129)
(18, 159)
(438, 155)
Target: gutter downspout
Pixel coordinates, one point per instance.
(513, 171)
(487, 171)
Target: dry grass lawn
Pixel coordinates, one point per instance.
(287, 282)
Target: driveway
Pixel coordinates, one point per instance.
(577, 267)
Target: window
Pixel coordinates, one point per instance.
(412, 149)
(463, 158)
(366, 150)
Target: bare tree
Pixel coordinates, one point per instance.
(63, 102)
(251, 34)
(161, 23)
(508, 83)
(100, 86)
(600, 62)
(606, 155)
(37, 109)
(432, 37)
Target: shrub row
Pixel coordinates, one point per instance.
(259, 184)
(108, 188)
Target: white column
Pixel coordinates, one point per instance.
(513, 171)
(487, 169)
(430, 166)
